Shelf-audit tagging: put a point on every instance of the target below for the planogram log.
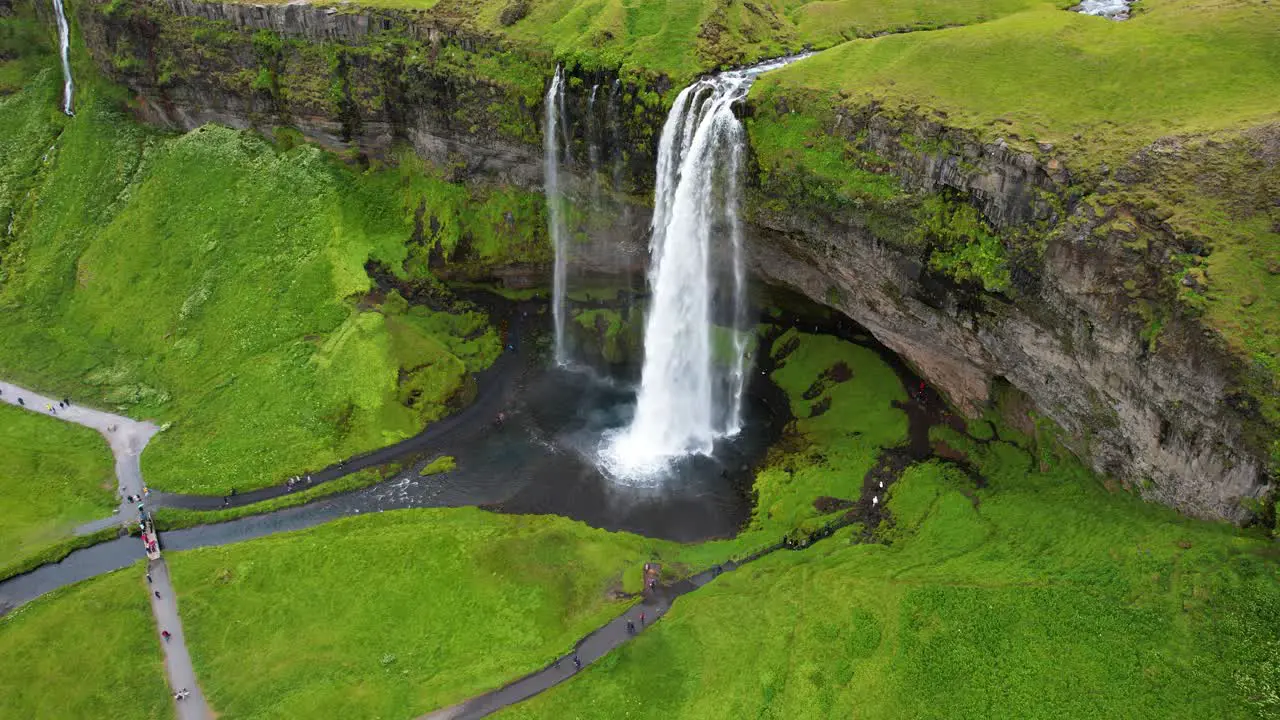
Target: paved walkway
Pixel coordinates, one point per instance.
(127, 438)
(177, 660)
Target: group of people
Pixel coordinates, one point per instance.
(295, 481)
(181, 694)
(49, 408)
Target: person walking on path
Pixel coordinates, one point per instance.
(641, 619)
(577, 664)
(157, 594)
(148, 578)
(165, 634)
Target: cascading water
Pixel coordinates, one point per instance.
(64, 47)
(687, 400)
(551, 139)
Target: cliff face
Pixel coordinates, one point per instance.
(1076, 311)
(1088, 323)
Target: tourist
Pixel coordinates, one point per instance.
(631, 628)
(22, 402)
(148, 578)
(641, 619)
(165, 634)
(157, 594)
(577, 664)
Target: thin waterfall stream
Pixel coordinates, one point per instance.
(64, 47)
(551, 143)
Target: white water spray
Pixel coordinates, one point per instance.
(551, 137)
(686, 400)
(64, 47)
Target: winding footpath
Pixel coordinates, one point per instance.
(128, 438)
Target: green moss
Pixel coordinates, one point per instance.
(442, 464)
(843, 397)
(964, 246)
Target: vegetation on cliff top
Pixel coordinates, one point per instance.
(89, 650)
(53, 476)
(682, 38)
(1096, 89)
(1039, 595)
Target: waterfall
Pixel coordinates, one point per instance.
(611, 117)
(593, 147)
(64, 47)
(553, 133)
(687, 401)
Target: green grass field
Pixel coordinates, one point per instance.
(216, 283)
(87, 651)
(1041, 595)
(1096, 89)
(53, 476)
(397, 613)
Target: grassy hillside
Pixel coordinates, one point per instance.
(53, 476)
(1094, 88)
(90, 650)
(1039, 595)
(218, 283)
(396, 614)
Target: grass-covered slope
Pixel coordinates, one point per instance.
(217, 283)
(53, 476)
(1092, 87)
(395, 614)
(1040, 595)
(88, 651)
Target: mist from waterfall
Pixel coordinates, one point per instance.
(64, 48)
(553, 137)
(688, 396)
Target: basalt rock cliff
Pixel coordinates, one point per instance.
(1083, 318)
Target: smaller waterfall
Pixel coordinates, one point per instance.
(612, 118)
(552, 134)
(64, 47)
(593, 147)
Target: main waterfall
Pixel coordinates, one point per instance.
(689, 397)
(64, 46)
